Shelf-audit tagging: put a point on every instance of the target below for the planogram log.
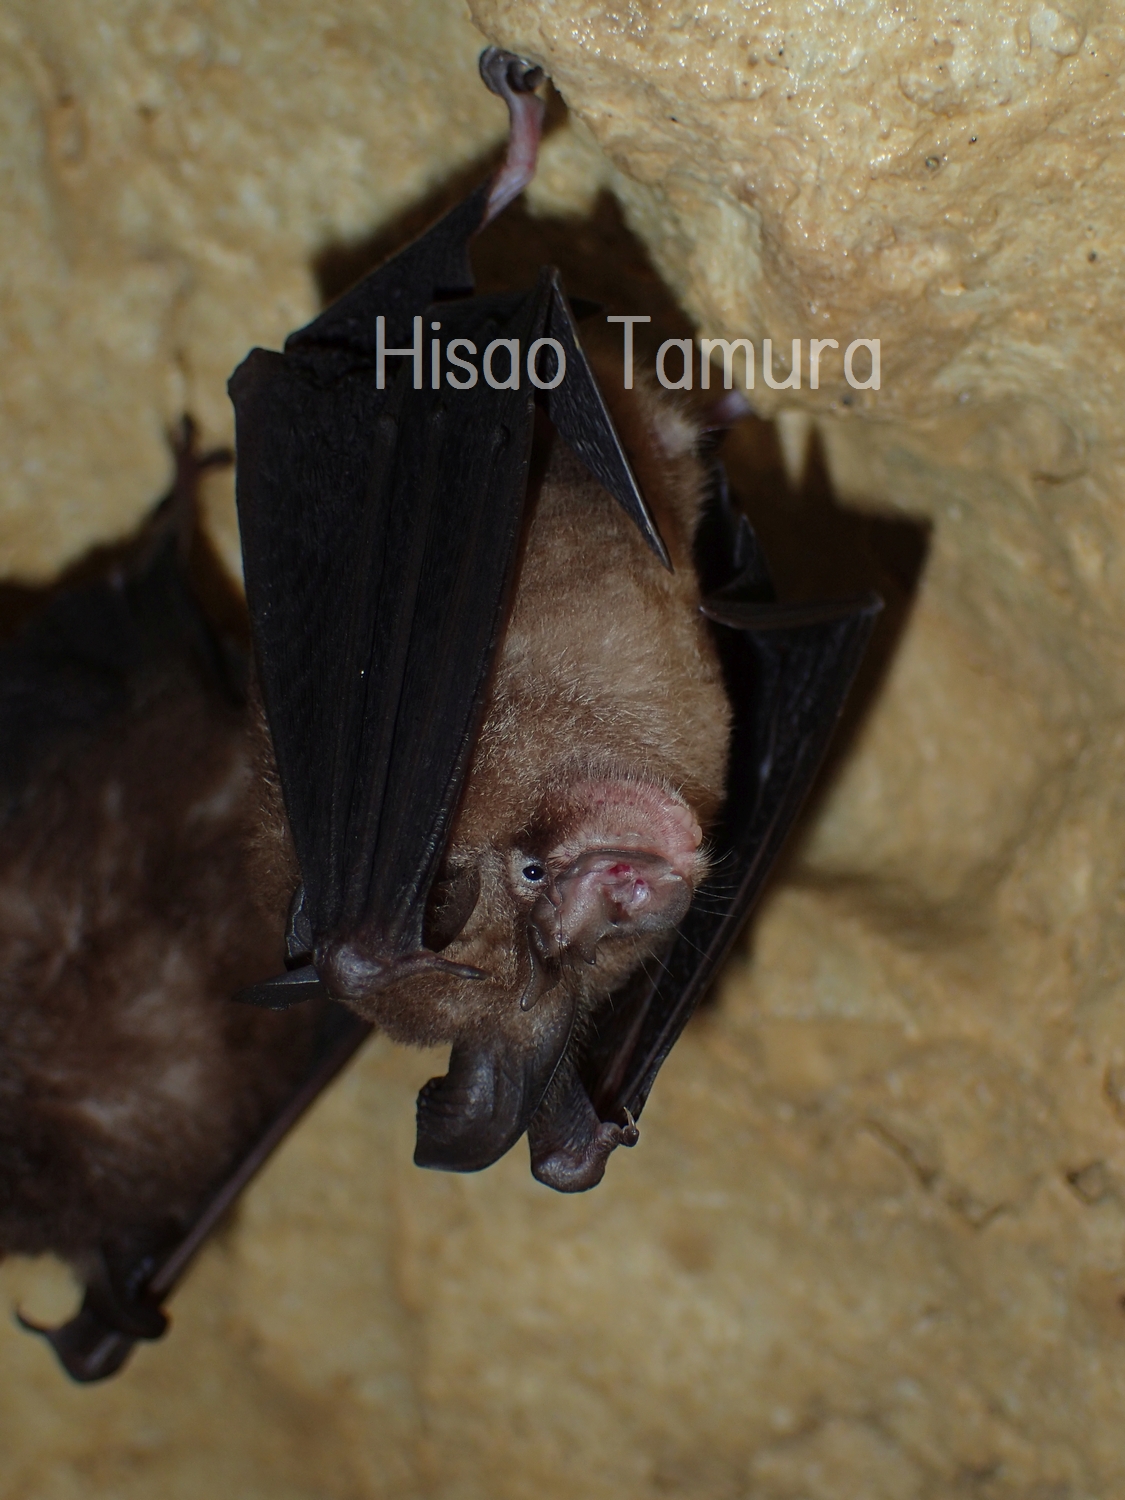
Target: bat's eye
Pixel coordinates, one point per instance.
(533, 873)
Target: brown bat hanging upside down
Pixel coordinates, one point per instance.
(579, 840)
(516, 791)
(130, 1086)
(497, 809)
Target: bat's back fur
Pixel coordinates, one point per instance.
(129, 1082)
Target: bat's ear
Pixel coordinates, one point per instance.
(478, 1111)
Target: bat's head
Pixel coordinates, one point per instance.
(554, 917)
(608, 868)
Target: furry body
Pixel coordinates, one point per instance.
(144, 867)
(129, 1083)
(607, 675)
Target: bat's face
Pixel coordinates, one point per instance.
(540, 919)
(549, 921)
(614, 860)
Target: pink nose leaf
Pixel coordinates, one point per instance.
(616, 891)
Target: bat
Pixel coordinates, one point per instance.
(130, 1088)
(500, 722)
(535, 726)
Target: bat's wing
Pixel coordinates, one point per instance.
(316, 437)
(788, 669)
(97, 649)
(380, 522)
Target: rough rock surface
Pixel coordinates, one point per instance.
(871, 1244)
(169, 171)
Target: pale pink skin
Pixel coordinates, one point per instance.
(621, 814)
(629, 861)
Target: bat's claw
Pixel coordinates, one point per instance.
(355, 971)
(504, 72)
(569, 1144)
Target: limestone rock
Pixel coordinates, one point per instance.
(171, 169)
(871, 1243)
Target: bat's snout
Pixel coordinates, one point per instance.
(610, 892)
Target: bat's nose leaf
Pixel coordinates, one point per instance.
(478, 1111)
(617, 891)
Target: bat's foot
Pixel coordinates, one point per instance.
(97, 1341)
(569, 1144)
(515, 80)
(504, 72)
(178, 512)
(190, 462)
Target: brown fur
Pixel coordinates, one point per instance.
(146, 867)
(607, 669)
(129, 1081)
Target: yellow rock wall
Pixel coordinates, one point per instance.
(872, 1244)
(169, 170)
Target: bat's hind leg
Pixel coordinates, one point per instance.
(515, 80)
(569, 1144)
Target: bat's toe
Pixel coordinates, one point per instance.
(570, 1170)
(569, 1144)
